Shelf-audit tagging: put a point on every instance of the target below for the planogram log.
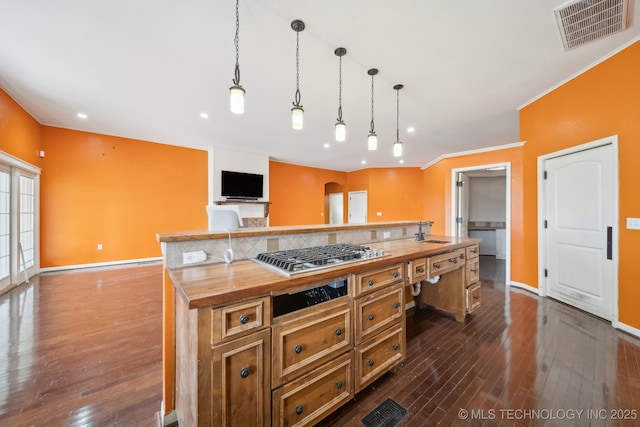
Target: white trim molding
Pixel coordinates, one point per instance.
(122, 263)
(479, 150)
(524, 286)
(628, 329)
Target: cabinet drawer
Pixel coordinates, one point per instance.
(240, 369)
(443, 263)
(417, 270)
(235, 320)
(378, 311)
(310, 398)
(378, 355)
(472, 251)
(472, 271)
(375, 279)
(305, 343)
(473, 297)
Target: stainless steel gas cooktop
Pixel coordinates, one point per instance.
(294, 261)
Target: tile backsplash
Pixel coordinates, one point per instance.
(250, 247)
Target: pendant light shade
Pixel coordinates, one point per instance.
(297, 118)
(236, 92)
(341, 127)
(397, 146)
(372, 140)
(297, 113)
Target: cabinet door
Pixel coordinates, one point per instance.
(375, 279)
(417, 270)
(240, 388)
(472, 271)
(379, 354)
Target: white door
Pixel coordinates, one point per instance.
(336, 208)
(357, 207)
(578, 211)
(462, 215)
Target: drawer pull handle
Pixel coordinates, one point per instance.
(436, 265)
(338, 332)
(396, 305)
(476, 298)
(396, 346)
(474, 271)
(370, 282)
(244, 319)
(421, 270)
(244, 373)
(298, 410)
(371, 362)
(298, 349)
(461, 256)
(453, 261)
(370, 317)
(474, 251)
(396, 275)
(339, 385)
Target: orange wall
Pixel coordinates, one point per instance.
(116, 191)
(19, 132)
(297, 194)
(603, 101)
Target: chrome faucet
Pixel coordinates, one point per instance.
(420, 233)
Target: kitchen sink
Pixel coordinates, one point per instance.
(437, 241)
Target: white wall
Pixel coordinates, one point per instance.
(487, 198)
(239, 161)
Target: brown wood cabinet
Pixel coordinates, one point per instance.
(238, 365)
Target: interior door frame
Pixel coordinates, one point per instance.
(542, 209)
(451, 228)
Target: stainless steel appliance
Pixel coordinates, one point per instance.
(294, 261)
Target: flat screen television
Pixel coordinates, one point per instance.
(240, 185)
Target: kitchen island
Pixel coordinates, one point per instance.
(239, 361)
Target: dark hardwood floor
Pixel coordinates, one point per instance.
(83, 349)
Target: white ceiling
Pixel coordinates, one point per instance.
(146, 69)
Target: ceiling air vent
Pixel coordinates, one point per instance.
(583, 21)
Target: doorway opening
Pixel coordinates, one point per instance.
(333, 203)
(481, 207)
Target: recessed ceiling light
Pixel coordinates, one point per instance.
(364, 162)
(326, 145)
(411, 129)
(82, 116)
(204, 116)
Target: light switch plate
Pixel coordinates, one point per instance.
(633, 223)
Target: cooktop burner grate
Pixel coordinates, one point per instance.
(299, 260)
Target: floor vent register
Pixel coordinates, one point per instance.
(387, 414)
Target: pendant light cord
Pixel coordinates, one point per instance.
(397, 115)
(372, 127)
(340, 92)
(236, 40)
(297, 98)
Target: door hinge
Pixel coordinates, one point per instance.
(545, 224)
(459, 220)
(458, 183)
(545, 175)
(546, 273)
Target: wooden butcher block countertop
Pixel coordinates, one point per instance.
(215, 284)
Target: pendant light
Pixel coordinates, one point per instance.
(297, 113)
(372, 140)
(397, 146)
(341, 127)
(236, 92)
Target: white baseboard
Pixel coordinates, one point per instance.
(628, 329)
(101, 264)
(525, 287)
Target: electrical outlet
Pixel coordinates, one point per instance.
(387, 234)
(379, 214)
(99, 246)
(633, 223)
(193, 257)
